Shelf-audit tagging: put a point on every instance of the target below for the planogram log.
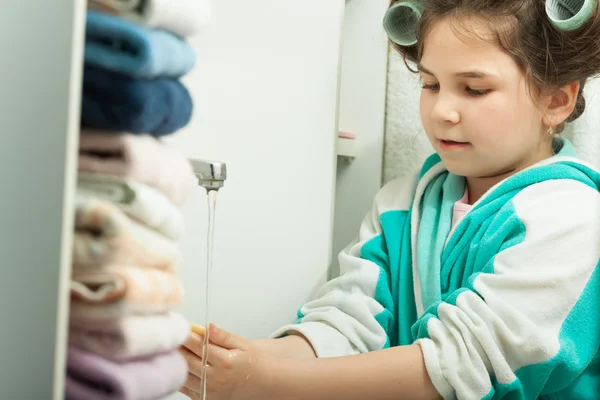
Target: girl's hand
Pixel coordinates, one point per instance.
(237, 369)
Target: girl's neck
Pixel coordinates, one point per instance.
(478, 186)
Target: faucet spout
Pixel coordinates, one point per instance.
(211, 174)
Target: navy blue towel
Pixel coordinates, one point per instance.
(117, 102)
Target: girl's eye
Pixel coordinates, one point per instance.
(476, 93)
(473, 92)
(433, 87)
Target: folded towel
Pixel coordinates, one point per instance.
(141, 202)
(104, 234)
(141, 287)
(130, 337)
(121, 46)
(112, 292)
(141, 158)
(115, 6)
(91, 377)
(111, 311)
(182, 17)
(116, 102)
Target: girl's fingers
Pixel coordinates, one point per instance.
(190, 393)
(199, 329)
(194, 343)
(225, 339)
(218, 356)
(193, 383)
(195, 367)
(193, 361)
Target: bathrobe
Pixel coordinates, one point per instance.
(506, 304)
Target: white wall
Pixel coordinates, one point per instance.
(265, 92)
(362, 111)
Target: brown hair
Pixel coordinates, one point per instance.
(550, 58)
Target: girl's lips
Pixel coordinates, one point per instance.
(449, 145)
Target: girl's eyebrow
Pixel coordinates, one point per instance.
(425, 70)
(466, 74)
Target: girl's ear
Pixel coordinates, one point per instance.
(560, 104)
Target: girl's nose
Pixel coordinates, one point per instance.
(445, 109)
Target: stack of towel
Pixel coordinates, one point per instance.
(125, 325)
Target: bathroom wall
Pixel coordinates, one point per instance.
(265, 91)
(406, 144)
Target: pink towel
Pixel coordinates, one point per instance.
(119, 309)
(139, 157)
(129, 337)
(104, 235)
(347, 135)
(116, 5)
(91, 377)
(116, 291)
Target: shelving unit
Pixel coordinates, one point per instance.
(346, 146)
(363, 83)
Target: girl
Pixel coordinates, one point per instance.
(480, 278)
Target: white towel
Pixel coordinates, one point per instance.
(130, 337)
(406, 144)
(141, 202)
(184, 18)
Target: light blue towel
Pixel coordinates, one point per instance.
(121, 46)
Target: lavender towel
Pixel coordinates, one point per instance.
(91, 377)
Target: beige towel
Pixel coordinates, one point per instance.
(115, 291)
(139, 157)
(130, 337)
(141, 202)
(106, 235)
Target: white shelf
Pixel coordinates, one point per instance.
(346, 148)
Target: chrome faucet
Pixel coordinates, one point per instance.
(211, 174)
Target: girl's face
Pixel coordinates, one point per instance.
(475, 105)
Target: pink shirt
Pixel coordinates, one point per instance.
(461, 207)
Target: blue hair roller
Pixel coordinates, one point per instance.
(569, 15)
(400, 22)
